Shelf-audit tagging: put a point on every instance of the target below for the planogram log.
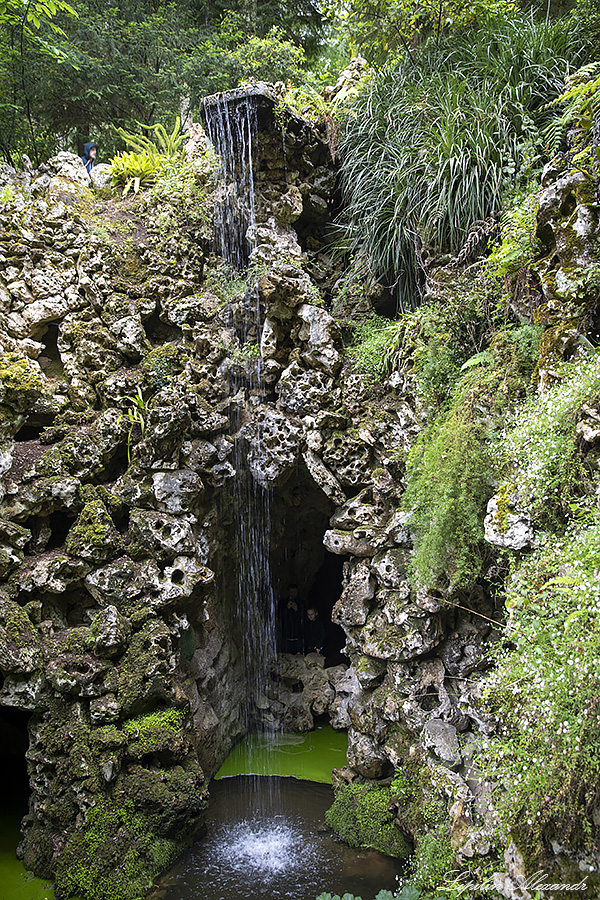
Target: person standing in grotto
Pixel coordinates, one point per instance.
(291, 616)
(90, 151)
(314, 632)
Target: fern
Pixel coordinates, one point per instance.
(166, 145)
(132, 171)
(582, 99)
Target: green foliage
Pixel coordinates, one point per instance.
(361, 817)
(545, 754)
(136, 416)
(452, 467)
(231, 56)
(437, 141)
(373, 337)
(581, 102)
(433, 859)
(132, 170)
(511, 259)
(34, 14)
(381, 28)
(541, 451)
(125, 62)
(166, 146)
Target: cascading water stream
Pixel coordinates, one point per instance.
(264, 841)
(232, 132)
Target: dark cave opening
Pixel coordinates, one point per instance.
(49, 359)
(324, 593)
(300, 517)
(159, 332)
(59, 523)
(14, 743)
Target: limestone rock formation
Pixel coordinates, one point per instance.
(146, 392)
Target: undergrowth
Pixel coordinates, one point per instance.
(453, 466)
(544, 693)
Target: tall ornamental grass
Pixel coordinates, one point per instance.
(437, 141)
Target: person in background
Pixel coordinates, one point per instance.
(291, 615)
(314, 632)
(90, 152)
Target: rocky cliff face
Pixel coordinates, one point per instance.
(124, 387)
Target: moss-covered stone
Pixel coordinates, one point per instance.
(115, 857)
(362, 817)
(94, 535)
(145, 673)
(159, 732)
(21, 382)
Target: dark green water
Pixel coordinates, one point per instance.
(15, 882)
(309, 756)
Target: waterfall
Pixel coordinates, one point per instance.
(232, 130)
(232, 133)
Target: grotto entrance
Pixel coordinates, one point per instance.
(300, 514)
(14, 742)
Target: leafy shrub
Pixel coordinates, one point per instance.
(133, 171)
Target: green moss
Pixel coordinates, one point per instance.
(161, 365)
(433, 859)
(94, 534)
(18, 625)
(20, 382)
(419, 808)
(78, 640)
(504, 507)
(115, 857)
(361, 816)
(154, 732)
(147, 649)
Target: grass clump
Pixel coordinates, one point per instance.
(441, 138)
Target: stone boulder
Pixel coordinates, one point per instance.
(507, 524)
(317, 333)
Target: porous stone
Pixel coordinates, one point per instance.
(507, 524)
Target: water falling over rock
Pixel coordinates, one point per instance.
(232, 129)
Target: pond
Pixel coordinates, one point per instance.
(309, 756)
(266, 841)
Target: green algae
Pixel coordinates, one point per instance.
(16, 883)
(309, 756)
